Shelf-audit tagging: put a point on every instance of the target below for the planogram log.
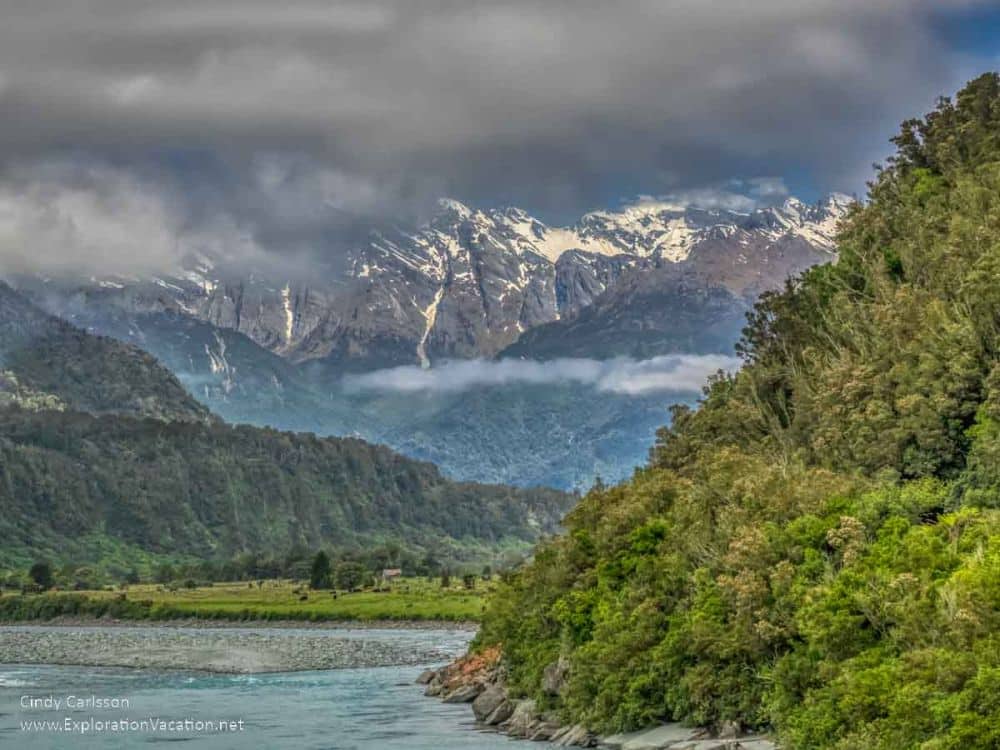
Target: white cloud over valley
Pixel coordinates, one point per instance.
(682, 373)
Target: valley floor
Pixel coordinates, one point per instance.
(409, 600)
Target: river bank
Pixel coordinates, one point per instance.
(225, 650)
(201, 623)
(478, 679)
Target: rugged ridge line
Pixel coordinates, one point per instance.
(470, 282)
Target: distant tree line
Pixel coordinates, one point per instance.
(322, 569)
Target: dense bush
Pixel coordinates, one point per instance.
(48, 606)
(816, 548)
(81, 487)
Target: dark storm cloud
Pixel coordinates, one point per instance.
(299, 115)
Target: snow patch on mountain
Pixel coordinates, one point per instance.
(219, 365)
(430, 315)
(817, 224)
(286, 304)
(502, 273)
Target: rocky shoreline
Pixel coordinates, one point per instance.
(478, 679)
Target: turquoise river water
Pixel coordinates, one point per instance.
(344, 709)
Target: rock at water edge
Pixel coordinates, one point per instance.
(426, 676)
(501, 714)
(523, 716)
(488, 701)
(462, 694)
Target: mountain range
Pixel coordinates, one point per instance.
(470, 283)
(266, 344)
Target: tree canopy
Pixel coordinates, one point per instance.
(815, 549)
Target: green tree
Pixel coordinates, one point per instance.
(41, 575)
(319, 573)
(164, 573)
(351, 575)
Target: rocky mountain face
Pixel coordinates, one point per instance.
(472, 283)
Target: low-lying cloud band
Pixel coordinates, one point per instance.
(681, 373)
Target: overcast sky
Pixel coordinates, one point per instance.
(269, 126)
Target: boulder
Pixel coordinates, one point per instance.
(541, 731)
(523, 716)
(574, 736)
(560, 733)
(426, 676)
(501, 714)
(435, 686)
(462, 694)
(488, 701)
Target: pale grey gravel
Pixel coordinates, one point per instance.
(229, 651)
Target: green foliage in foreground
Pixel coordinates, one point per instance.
(816, 549)
(409, 599)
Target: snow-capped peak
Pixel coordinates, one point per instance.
(647, 228)
(471, 281)
(816, 224)
(838, 201)
(454, 206)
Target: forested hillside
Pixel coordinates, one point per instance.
(816, 548)
(48, 363)
(106, 460)
(76, 487)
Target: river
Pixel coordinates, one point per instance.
(351, 708)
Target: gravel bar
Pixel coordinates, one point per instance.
(233, 651)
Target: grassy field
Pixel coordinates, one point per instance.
(408, 599)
